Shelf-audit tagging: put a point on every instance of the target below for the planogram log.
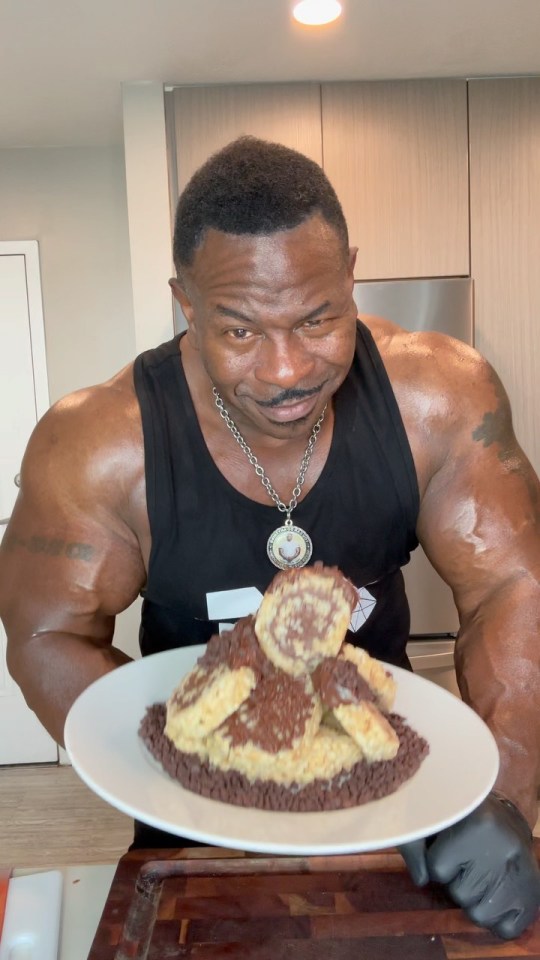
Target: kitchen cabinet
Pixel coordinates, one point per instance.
(396, 153)
(505, 240)
(204, 119)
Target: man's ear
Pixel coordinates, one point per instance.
(351, 262)
(181, 296)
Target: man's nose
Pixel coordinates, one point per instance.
(284, 362)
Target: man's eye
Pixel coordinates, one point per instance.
(311, 324)
(239, 333)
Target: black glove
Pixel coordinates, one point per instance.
(487, 865)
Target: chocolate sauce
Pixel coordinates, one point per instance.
(337, 681)
(274, 716)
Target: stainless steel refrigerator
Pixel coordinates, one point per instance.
(445, 305)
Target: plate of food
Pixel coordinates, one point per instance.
(280, 737)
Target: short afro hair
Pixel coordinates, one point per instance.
(253, 186)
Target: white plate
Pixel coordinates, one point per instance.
(107, 753)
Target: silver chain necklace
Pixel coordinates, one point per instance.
(288, 546)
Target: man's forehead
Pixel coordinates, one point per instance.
(313, 246)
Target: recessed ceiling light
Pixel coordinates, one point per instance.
(316, 12)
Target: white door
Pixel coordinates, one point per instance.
(23, 399)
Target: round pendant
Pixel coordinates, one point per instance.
(289, 546)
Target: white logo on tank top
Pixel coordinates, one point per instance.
(363, 609)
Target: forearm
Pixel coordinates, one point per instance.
(52, 669)
(498, 670)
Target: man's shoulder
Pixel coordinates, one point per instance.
(444, 389)
(431, 365)
(407, 347)
(83, 468)
(92, 434)
(105, 409)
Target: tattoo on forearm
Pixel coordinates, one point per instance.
(48, 545)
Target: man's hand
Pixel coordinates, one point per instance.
(487, 865)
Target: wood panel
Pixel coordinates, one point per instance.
(396, 153)
(505, 241)
(49, 817)
(207, 118)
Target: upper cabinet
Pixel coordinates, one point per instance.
(397, 155)
(206, 118)
(505, 240)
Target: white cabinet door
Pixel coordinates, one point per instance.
(23, 399)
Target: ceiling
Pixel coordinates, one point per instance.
(62, 62)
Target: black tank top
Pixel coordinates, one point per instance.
(208, 562)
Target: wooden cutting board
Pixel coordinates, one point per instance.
(361, 907)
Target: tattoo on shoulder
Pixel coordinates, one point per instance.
(496, 426)
(49, 546)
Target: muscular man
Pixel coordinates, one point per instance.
(369, 438)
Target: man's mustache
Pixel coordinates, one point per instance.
(288, 396)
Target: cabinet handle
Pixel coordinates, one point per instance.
(4, 521)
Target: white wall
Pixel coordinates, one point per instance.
(150, 228)
(73, 202)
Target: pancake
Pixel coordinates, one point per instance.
(351, 705)
(267, 734)
(204, 699)
(303, 617)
